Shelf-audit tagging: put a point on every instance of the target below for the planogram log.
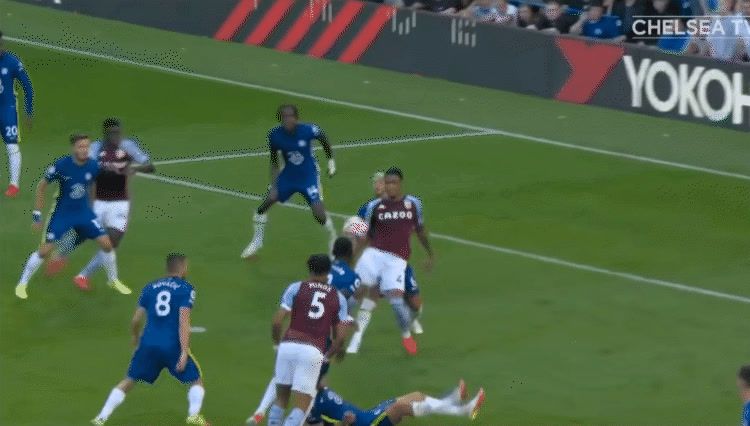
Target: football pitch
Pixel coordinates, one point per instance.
(591, 264)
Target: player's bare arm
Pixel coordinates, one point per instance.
(340, 333)
(276, 325)
(147, 167)
(323, 139)
(136, 325)
(184, 338)
(41, 189)
(424, 239)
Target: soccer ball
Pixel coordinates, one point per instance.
(355, 227)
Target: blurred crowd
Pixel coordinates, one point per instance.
(612, 20)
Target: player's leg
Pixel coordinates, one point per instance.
(59, 258)
(9, 129)
(82, 279)
(269, 396)
(113, 216)
(92, 229)
(367, 268)
(115, 398)
(313, 194)
(417, 404)
(193, 377)
(392, 287)
(283, 376)
(57, 227)
(277, 192)
(309, 362)
(413, 299)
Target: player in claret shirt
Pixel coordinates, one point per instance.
(318, 312)
(392, 220)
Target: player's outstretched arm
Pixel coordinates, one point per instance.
(136, 325)
(340, 333)
(147, 167)
(28, 91)
(276, 324)
(184, 338)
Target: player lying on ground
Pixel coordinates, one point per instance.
(11, 69)
(391, 219)
(411, 289)
(318, 312)
(121, 158)
(346, 281)
(75, 173)
(300, 174)
(743, 385)
(165, 304)
(330, 407)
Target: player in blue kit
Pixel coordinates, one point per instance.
(743, 386)
(75, 174)
(165, 304)
(300, 174)
(331, 407)
(12, 69)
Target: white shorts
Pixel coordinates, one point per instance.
(112, 214)
(298, 365)
(381, 267)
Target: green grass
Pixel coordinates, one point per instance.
(552, 345)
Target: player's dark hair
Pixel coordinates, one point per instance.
(744, 374)
(110, 122)
(77, 137)
(174, 260)
(395, 171)
(286, 106)
(342, 248)
(319, 264)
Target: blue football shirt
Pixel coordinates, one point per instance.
(297, 149)
(74, 180)
(162, 300)
(606, 27)
(343, 278)
(12, 69)
(746, 414)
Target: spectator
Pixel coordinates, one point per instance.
(554, 19)
(625, 10)
(529, 15)
(594, 24)
(679, 44)
(745, 32)
(727, 47)
(491, 11)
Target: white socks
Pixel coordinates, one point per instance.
(94, 264)
(363, 320)
(432, 405)
(34, 262)
(332, 235)
(295, 418)
(259, 221)
(14, 162)
(268, 398)
(109, 260)
(275, 415)
(403, 315)
(195, 399)
(113, 401)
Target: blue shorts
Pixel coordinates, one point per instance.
(307, 187)
(375, 416)
(148, 361)
(84, 223)
(410, 285)
(9, 124)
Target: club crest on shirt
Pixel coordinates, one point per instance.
(407, 204)
(88, 176)
(301, 143)
(4, 71)
(381, 207)
(120, 154)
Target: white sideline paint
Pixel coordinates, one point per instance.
(504, 250)
(353, 144)
(323, 99)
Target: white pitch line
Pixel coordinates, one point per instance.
(364, 107)
(527, 255)
(354, 144)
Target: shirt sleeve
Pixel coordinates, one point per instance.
(142, 299)
(28, 90)
(315, 131)
(131, 147)
(52, 173)
(188, 299)
(362, 212)
(420, 212)
(287, 299)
